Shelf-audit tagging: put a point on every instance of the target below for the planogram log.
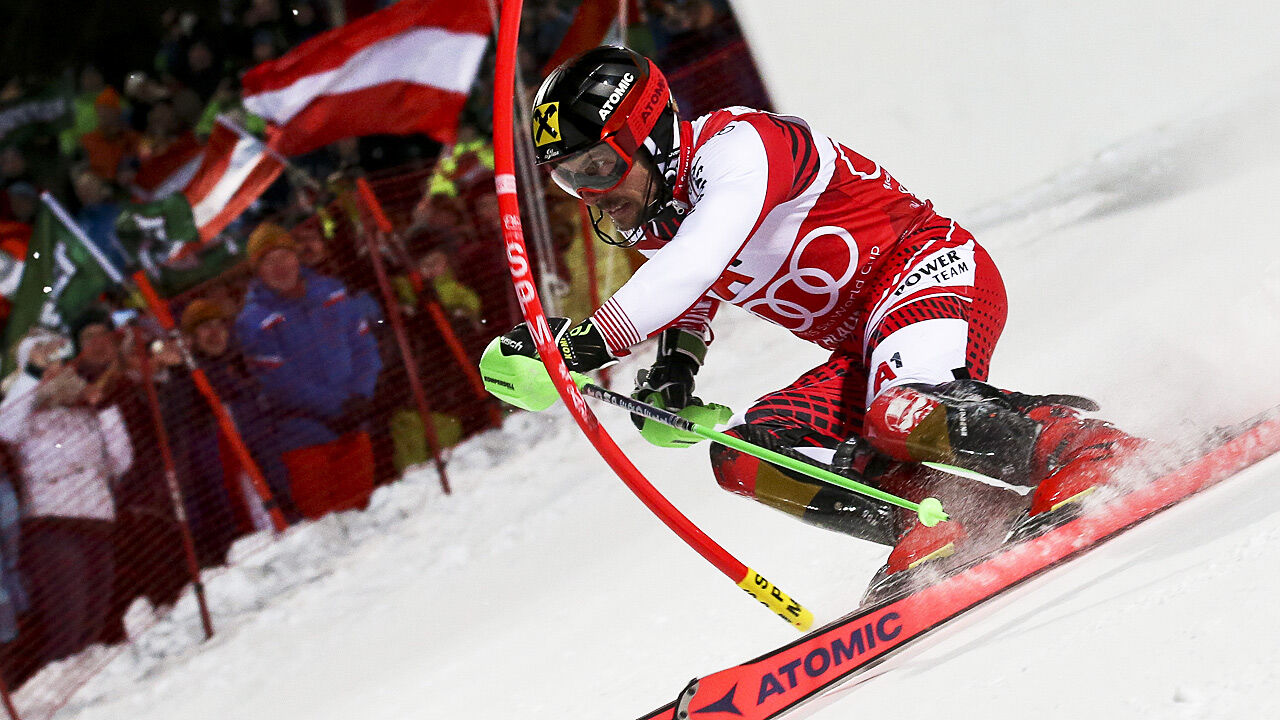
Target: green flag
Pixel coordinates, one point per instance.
(46, 112)
(60, 280)
(162, 238)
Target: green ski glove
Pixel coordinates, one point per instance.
(512, 372)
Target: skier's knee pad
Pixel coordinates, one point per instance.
(739, 472)
(812, 501)
(965, 422)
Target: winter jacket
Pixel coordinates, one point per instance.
(68, 455)
(200, 446)
(311, 353)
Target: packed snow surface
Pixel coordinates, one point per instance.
(1117, 159)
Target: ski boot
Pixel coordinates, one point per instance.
(981, 516)
(1077, 456)
(1034, 441)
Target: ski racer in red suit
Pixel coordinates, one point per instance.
(764, 212)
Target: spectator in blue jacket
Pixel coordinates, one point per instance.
(312, 348)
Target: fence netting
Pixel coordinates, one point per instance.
(333, 351)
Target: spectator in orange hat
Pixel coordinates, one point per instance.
(219, 501)
(311, 345)
(112, 142)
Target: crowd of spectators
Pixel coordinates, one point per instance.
(110, 451)
(87, 519)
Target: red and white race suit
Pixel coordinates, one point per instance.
(798, 229)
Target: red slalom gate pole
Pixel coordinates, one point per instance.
(397, 326)
(527, 292)
(175, 490)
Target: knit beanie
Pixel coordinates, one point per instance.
(108, 98)
(199, 312)
(267, 237)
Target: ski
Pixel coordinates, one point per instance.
(782, 680)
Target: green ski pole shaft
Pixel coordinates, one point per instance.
(928, 510)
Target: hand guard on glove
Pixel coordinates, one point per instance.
(512, 371)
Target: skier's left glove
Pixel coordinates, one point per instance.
(668, 384)
(680, 356)
(512, 371)
(707, 415)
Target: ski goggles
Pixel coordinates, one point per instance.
(593, 171)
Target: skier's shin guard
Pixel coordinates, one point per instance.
(814, 502)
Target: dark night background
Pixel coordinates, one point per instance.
(41, 37)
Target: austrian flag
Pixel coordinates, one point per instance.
(235, 170)
(405, 69)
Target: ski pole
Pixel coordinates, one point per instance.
(928, 510)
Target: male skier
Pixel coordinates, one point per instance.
(761, 211)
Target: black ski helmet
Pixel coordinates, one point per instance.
(608, 96)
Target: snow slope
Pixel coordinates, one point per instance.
(1116, 161)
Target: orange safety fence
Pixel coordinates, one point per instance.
(122, 486)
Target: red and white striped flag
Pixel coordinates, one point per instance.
(235, 170)
(168, 172)
(406, 69)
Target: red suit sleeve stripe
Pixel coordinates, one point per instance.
(618, 330)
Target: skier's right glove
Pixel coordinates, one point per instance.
(512, 372)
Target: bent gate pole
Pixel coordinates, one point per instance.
(531, 307)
